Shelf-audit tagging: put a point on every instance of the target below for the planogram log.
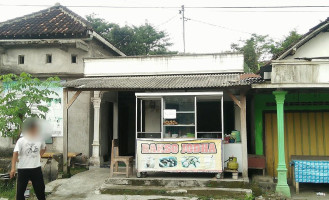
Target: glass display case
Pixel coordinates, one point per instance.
(180, 115)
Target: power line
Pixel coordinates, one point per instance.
(257, 7)
(273, 11)
(223, 27)
(123, 40)
(167, 21)
(169, 7)
(227, 28)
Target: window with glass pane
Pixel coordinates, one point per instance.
(180, 120)
(180, 103)
(149, 118)
(209, 118)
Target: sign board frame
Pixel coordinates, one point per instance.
(196, 156)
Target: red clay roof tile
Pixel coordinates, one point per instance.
(56, 22)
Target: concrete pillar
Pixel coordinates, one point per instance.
(95, 159)
(282, 186)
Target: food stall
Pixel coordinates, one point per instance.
(179, 132)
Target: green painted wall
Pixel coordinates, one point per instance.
(260, 101)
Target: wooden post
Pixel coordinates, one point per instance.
(65, 129)
(243, 117)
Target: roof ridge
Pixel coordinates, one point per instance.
(173, 75)
(75, 16)
(320, 25)
(64, 9)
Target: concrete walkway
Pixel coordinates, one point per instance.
(86, 185)
(81, 186)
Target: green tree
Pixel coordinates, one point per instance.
(133, 40)
(289, 40)
(255, 49)
(250, 55)
(259, 49)
(20, 95)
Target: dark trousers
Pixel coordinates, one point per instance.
(35, 175)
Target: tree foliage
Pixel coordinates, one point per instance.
(280, 46)
(133, 40)
(260, 48)
(23, 96)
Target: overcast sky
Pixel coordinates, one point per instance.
(231, 24)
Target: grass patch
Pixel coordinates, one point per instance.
(8, 189)
(77, 170)
(74, 171)
(134, 192)
(8, 194)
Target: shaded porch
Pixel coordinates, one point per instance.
(114, 106)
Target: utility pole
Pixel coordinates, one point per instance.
(183, 18)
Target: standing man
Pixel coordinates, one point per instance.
(27, 154)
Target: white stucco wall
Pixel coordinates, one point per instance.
(6, 142)
(167, 64)
(300, 72)
(293, 71)
(35, 60)
(316, 47)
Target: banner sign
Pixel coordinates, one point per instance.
(180, 156)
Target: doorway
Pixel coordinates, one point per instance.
(127, 116)
(106, 130)
(306, 133)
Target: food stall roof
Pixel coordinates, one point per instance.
(164, 81)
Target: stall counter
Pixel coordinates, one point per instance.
(197, 155)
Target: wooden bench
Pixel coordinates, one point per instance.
(257, 162)
(51, 154)
(70, 155)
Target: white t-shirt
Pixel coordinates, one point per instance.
(29, 152)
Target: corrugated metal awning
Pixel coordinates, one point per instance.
(164, 81)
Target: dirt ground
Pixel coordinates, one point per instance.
(308, 191)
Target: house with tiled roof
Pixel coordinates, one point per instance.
(175, 100)
(291, 111)
(168, 99)
(59, 40)
(54, 42)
